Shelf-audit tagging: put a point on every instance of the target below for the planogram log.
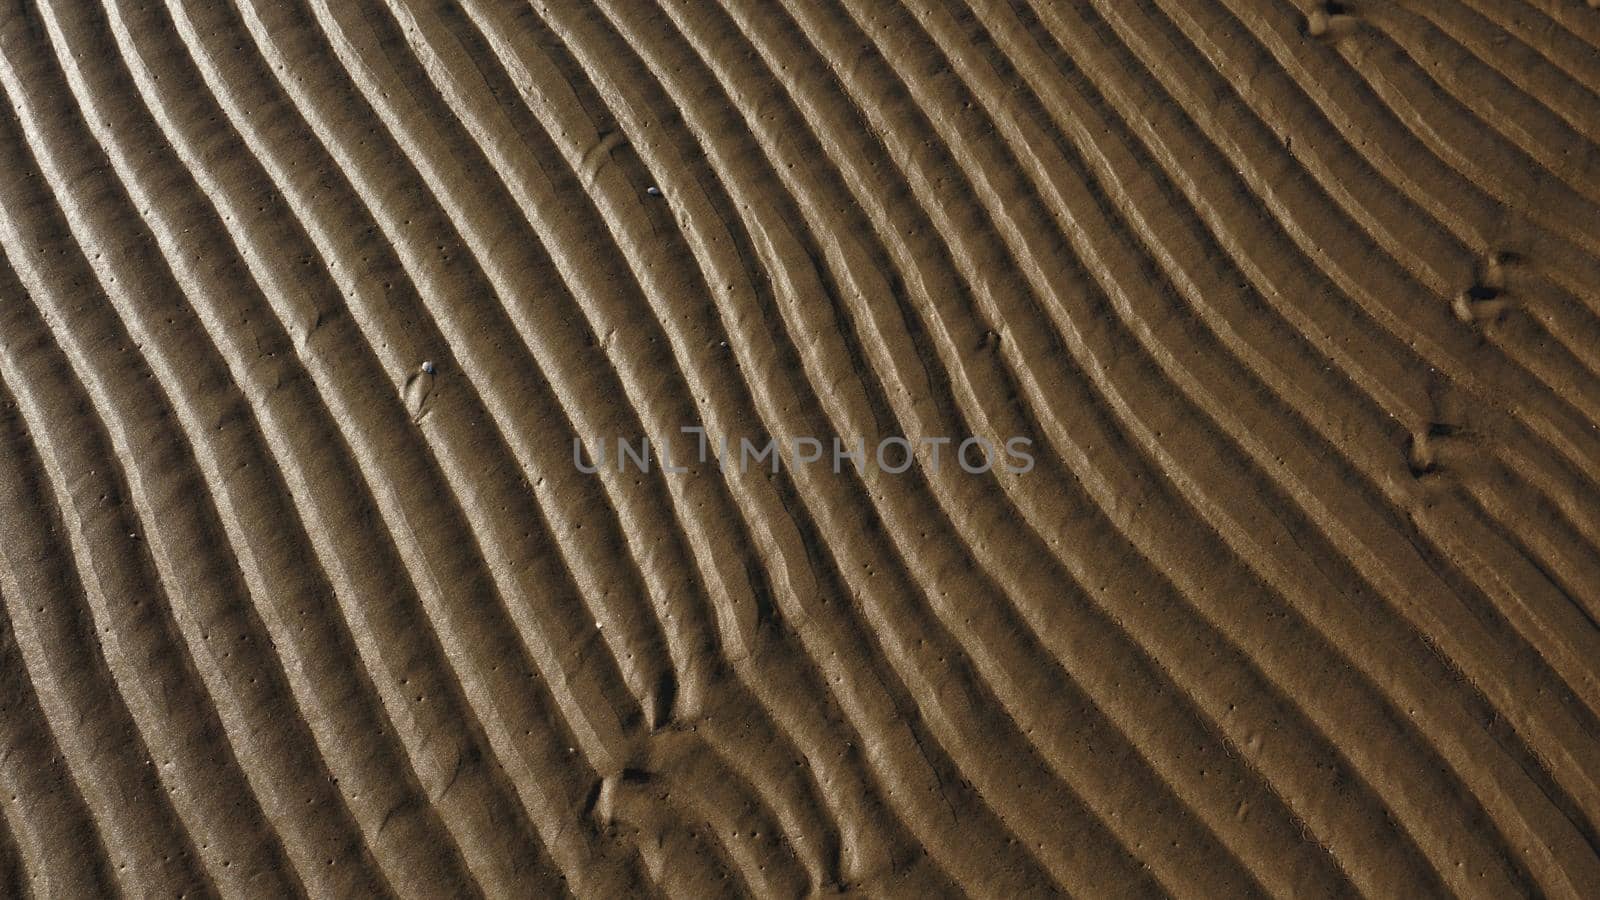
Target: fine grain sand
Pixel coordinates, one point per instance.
(303, 303)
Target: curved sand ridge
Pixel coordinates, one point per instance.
(1299, 307)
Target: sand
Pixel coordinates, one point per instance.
(306, 307)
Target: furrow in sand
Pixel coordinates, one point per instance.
(294, 783)
(616, 755)
(867, 847)
(660, 711)
(1346, 107)
(1560, 151)
(1392, 207)
(584, 684)
(485, 224)
(993, 661)
(1269, 293)
(1548, 36)
(1342, 265)
(847, 567)
(310, 310)
(128, 617)
(1530, 627)
(13, 871)
(586, 679)
(1487, 101)
(719, 801)
(1522, 66)
(75, 689)
(374, 781)
(741, 658)
(556, 261)
(1472, 210)
(530, 736)
(52, 841)
(1266, 354)
(1376, 288)
(1244, 536)
(1021, 332)
(415, 687)
(66, 839)
(468, 91)
(856, 281)
(1452, 135)
(714, 251)
(1521, 285)
(255, 561)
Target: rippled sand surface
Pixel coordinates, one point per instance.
(303, 304)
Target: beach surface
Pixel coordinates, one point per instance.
(315, 313)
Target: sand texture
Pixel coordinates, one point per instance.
(303, 304)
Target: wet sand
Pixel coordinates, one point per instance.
(304, 303)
